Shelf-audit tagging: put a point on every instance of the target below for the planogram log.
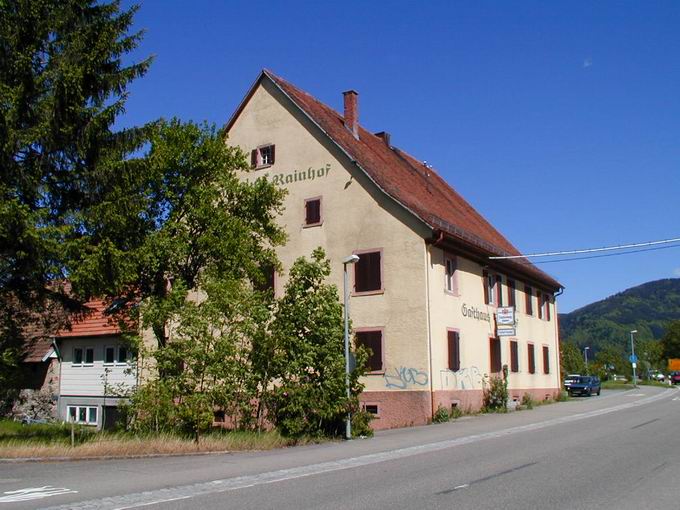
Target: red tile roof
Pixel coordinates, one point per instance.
(415, 186)
(94, 320)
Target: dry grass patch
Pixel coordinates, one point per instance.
(122, 445)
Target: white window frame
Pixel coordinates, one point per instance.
(115, 355)
(450, 280)
(82, 357)
(127, 355)
(87, 409)
(85, 362)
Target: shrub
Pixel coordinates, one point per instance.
(496, 395)
(361, 424)
(441, 415)
(456, 412)
(528, 401)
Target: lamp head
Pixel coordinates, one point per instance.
(633, 331)
(352, 259)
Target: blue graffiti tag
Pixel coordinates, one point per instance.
(403, 377)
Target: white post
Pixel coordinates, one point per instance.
(352, 259)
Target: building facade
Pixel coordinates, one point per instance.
(425, 292)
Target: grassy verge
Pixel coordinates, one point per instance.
(54, 440)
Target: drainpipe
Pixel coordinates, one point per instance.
(428, 257)
(557, 340)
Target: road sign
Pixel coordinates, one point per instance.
(634, 365)
(633, 358)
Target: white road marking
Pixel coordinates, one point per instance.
(676, 399)
(464, 486)
(31, 493)
(158, 496)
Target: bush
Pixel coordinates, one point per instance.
(361, 424)
(496, 395)
(441, 415)
(528, 401)
(455, 413)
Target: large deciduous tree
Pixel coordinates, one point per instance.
(671, 341)
(62, 84)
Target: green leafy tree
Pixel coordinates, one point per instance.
(308, 361)
(62, 85)
(671, 341)
(188, 217)
(609, 360)
(571, 361)
(207, 365)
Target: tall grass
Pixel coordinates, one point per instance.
(54, 440)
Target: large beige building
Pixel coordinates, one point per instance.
(425, 293)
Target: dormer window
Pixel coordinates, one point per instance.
(262, 156)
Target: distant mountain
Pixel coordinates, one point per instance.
(647, 308)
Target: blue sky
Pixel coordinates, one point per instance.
(558, 121)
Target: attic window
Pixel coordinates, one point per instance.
(262, 156)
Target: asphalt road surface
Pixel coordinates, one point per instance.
(617, 451)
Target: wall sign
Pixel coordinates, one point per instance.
(310, 174)
(474, 313)
(505, 315)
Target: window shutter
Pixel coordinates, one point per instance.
(546, 360)
(499, 290)
(367, 272)
(485, 282)
(514, 358)
(312, 212)
(454, 350)
(532, 361)
(273, 157)
(511, 292)
(546, 298)
(253, 158)
(539, 302)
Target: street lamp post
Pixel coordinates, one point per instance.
(585, 355)
(352, 259)
(632, 356)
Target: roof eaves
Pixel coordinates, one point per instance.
(345, 152)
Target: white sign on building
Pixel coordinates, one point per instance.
(505, 315)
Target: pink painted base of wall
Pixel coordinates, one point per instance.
(408, 408)
(399, 408)
(536, 393)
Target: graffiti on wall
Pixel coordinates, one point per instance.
(403, 377)
(468, 378)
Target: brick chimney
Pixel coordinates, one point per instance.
(352, 112)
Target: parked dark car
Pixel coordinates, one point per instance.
(570, 379)
(585, 385)
(675, 377)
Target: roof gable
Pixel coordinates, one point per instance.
(412, 184)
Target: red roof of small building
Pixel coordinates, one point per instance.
(93, 320)
(414, 185)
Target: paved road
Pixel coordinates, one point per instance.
(620, 450)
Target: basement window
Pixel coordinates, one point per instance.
(372, 409)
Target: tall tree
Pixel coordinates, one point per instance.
(62, 84)
(571, 361)
(308, 360)
(671, 341)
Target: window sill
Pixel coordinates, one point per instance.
(310, 225)
(369, 293)
(451, 293)
(262, 167)
(376, 372)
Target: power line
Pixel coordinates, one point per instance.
(600, 256)
(589, 250)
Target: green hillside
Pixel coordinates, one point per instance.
(648, 308)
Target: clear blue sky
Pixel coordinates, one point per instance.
(558, 121)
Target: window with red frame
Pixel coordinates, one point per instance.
(495, 355)
(511, 293)
(454, 350)
(514, 356)
(546, 360)
(531, 359)
(373, 341)
(312, 212)
(367, 271)
(528, 294)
